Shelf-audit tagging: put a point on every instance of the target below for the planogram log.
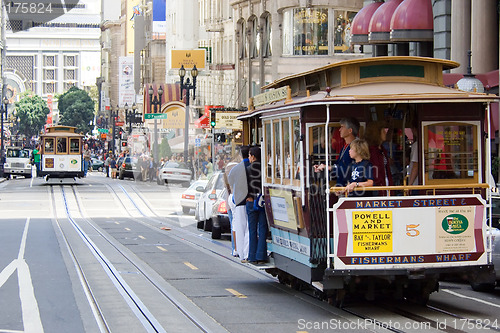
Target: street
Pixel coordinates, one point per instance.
(109, 255)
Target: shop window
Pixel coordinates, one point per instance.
(342, 33)
(305, 31)
(451, 152)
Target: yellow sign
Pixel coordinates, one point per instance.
(228, 120)
(372, 231)
(188, 58)
(176, 115)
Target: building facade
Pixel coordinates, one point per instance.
(48, 58)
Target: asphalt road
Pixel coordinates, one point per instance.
(107, 255)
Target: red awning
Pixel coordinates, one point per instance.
(202, 122)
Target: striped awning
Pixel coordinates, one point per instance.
(171, 92)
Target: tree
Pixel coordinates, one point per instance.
(76, 108)
(165, 150)
(32, 112)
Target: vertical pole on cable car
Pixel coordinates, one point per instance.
(327, 187)
(489, 175)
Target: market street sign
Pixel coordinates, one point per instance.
(102, 130)
(155, 116)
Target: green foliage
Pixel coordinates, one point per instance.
(164, 148)
(32, 112)
(76, 108)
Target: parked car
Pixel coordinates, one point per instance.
(204, 206)
(220, 218)
(176, 172)
(191, 195)
(17, 162)
(97, 164)
(128, 167)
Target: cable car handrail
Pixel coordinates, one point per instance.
(405, 188)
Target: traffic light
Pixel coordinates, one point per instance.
(212, 118)
(124, 143)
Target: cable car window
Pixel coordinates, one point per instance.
(451, 152)
(48, 146)
(74, 146)
(277, 152)
(62, 145)
(296, 150)
(287, 158)
(268, 150)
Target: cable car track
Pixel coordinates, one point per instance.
(153, 221)
(150, 323)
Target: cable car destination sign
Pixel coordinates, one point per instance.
(270, 96)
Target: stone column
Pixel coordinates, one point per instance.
(484, 32)
(460, 33)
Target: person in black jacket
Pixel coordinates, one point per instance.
(257, 221)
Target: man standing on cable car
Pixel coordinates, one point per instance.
(349, 129)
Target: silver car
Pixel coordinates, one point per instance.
(176, 172)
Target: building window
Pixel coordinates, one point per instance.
(240, 35)
(266, 35)
(253, 39)
(305, 31)
(342, 33)
(49, 61)
(69, 74)
(70, 61)
(49, 88)
(49, 74)
(68, 85)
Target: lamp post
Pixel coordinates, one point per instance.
(113, 116)
(131, 117)
(187, 86)
(155, 104)
(5, 102)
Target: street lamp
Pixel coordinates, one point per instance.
(5, 102)
(113, 114)
(187, 86)
(132, 117)
(155, 104)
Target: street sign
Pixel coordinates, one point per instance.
(119, 123)
(155, 116)
(197, 142)
(103, 130)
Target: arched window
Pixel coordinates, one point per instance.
(266, 35)
(253, 41)
(240, 39)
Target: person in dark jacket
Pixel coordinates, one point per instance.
(257, 221)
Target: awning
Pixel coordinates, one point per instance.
(202, 122)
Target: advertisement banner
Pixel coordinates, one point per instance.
(409, 232)
(126, 92)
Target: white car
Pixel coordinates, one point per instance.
(17, 162)
(204, 206)
(191, 196)
(176, 172)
